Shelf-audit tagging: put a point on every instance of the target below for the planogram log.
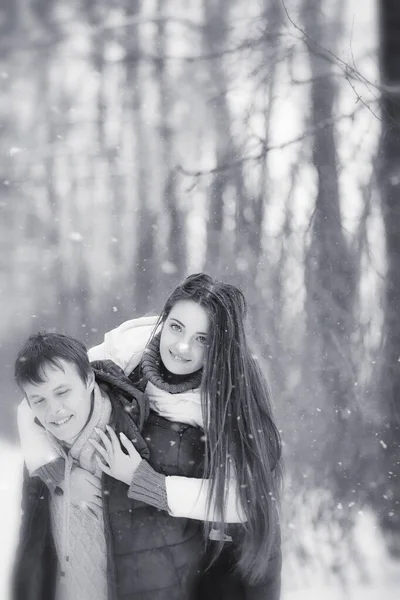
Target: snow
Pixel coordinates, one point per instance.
(383, 573)
(356, 593)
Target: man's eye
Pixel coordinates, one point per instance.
(62, 392)
(39, 401)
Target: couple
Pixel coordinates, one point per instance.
(153, 472)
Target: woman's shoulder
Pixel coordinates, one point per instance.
(136, 332)
(125, 344)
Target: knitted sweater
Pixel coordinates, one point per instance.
(75, 530)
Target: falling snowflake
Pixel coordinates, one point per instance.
(168, 267)
(75, 236)
(14, 150)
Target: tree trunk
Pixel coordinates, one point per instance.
(176, 249)
(214, 41)
(329, 264)
(390, 192)
(145, 268)
(251, 211)
(53, 238)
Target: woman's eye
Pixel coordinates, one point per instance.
(175, 327)
(202, 340)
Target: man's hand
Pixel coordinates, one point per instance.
(85, 491)
(119, 465)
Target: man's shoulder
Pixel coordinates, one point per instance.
(123, 394)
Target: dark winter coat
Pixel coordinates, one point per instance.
(151, 555)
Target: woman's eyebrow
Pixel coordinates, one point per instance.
(177, 321)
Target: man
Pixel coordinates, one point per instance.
(121, 548)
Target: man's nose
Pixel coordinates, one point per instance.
(53, 406)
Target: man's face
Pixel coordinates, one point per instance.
(62, 403)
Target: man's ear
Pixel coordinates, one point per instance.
(90, 381)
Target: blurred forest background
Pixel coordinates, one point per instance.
(255, 140)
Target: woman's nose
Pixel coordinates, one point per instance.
(183, 346)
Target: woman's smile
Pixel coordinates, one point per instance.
(178, 357)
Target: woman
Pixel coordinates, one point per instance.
(199, 369)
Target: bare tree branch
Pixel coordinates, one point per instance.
(327, 54)
(256, 157)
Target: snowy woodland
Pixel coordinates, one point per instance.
(256, 140)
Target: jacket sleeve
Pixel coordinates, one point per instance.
(36, 448)
(183, 497)
(35, 566)
(177, 453)
(125, 344)
(187, 497)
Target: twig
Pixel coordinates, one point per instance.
(256, 157)
(325, 52)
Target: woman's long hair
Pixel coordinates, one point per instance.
(241, 437)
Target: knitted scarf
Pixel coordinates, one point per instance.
(176, 400)
(151, 368)
(75, 529)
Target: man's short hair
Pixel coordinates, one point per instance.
(42, 349)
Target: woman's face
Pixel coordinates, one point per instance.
(184, 338)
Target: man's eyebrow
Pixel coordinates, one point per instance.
(54, 390)
(60, 386)
(177, 320)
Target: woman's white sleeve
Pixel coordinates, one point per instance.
(125, 344)
(36, 447)
(187, 498)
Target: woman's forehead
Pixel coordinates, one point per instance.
(190, 313)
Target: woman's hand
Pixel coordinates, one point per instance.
(85, 491)
(119, 465)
